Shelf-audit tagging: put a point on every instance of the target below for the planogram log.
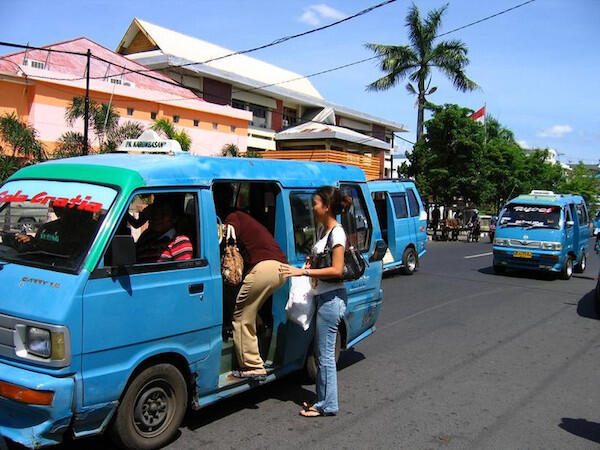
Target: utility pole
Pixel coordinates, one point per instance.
(86, 113)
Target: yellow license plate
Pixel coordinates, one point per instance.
(522, 254)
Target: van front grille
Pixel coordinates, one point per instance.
(525, 243)
(7, 331)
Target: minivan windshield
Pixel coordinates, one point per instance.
(530, 216)
(50, 223)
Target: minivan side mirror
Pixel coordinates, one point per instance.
(570, 223)
(122, 251)
(379, 252)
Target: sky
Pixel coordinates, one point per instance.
(536, 66)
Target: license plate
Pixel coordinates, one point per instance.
(522, 254)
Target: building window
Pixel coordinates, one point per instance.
(290, 117)
(196, 122)
(215, 125)
(130, 111)
(232, 128)
(153, 115)
(259, 113)
(176, 119)
(35, 64)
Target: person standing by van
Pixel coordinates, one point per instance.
(330, 296)
(262, 260)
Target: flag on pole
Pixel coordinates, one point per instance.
(479, 115)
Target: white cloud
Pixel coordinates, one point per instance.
(316, 15)
(556, 131)
(523, 143)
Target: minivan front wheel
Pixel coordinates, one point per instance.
(152, 409)
(409, 261)
(580, 267)
(567, 269)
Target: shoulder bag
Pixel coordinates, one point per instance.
(232, 263)
(354, 263)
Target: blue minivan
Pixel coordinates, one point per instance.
(403, 222)
(543, 231)
(93, 340)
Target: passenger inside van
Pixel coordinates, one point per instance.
(162, 242)
(262, 259)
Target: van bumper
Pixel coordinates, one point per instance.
(546, 260)
(25, 422)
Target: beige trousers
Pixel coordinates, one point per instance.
(258, 285)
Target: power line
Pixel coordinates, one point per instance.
(279, 40)
(485, 18)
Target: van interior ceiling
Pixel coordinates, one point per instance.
(258, 199)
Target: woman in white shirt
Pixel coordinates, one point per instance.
(330, 296)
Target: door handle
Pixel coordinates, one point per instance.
(196, 288)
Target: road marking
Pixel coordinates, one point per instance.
(481, 254)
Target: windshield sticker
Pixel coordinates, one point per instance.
(82, 204)
(539, 209)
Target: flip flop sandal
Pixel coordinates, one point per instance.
(313, 412)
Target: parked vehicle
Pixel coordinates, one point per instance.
(91, 340)
(403, 222)
(543, 231)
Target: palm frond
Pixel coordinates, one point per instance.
(432, 23)
(164, 126)
(411, 89)
(415, 29)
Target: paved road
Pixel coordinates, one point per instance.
(462, 358)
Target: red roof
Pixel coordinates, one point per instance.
(73, 66)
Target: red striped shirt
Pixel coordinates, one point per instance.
(179, 249)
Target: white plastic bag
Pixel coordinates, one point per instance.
(300, 306)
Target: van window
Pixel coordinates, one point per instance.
(51, 224)
(399, 201)
(356, 220)
(582, 216)
(303, 221)
(413, 204)
(164, 227)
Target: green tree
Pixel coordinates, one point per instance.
(541, 174)
(448, 162)
(416, 61)
(114, 138)
(165, 126)
(230, 150)
(102, 117)
(581, 181)
(69, 144)
(8, 166)
(21, 138)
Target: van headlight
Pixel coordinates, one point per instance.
(501, 242)
(38, 342)
(44, 343)
(551, 246)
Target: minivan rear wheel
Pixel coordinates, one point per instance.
(567, 269)
(409, 261)
(580, 267)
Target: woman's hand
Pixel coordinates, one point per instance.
(23, 238)
(287, 271)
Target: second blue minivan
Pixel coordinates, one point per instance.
(543, 231)
(403, 223)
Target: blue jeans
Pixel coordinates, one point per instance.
(330, 310)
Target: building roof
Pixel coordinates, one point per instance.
(318, 130)
(192, 49)
(69, 69)
(157, 46)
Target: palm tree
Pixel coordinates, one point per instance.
(114, 138)
(21, 137)
(416, 60)
(165, 126)
(102, 117)
(230, 150)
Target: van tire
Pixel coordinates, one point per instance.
(409, 261)
(567, 269)
(311, 360)
(580, 267)
(151, 410)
